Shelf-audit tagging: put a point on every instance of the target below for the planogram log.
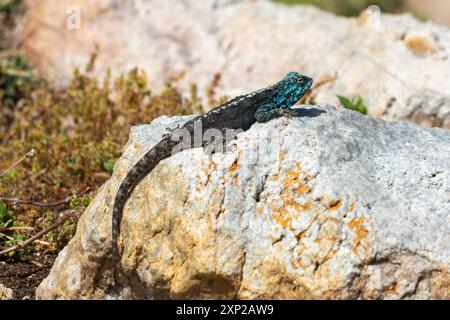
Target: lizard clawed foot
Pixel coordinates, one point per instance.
(269, 112)
(169, 131)
(288, 112)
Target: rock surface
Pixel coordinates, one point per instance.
(397, 63)
(332, 204)
(5, 293)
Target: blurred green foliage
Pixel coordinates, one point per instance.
(8, 6)
(355, 104)
(17, 78)
(350, 7)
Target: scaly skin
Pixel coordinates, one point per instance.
(238, 113)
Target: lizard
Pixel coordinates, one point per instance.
(238, 113)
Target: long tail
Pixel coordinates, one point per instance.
(141, 169)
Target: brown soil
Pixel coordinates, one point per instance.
(24, 274)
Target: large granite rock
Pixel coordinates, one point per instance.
(398, 64)
(332, 204)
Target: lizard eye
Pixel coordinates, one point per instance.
(300, 81)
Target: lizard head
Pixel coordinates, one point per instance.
(292, 88)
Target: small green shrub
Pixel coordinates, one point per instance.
(17, 79)
(356, 103)
(8, 236)
(108, 165)
(6, 216)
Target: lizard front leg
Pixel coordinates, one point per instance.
(270, 111)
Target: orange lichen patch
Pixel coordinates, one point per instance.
(286, 210)
(260, 209)
(295, 180)
(393, 289)
(233, 170)
(358, 228)
(361, 233)
(283, 220)
(286, 207)
(276, 176)
(352, 206)
(201, 184)
(302, 189)
(280, 214)
(419, 44)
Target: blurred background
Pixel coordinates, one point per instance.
(76, 75)
(436, 10)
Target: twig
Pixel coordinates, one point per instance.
(43, 204)
(65, 215)
(6, 224)
(5, 236)
(40, 265)
(15, 228)
(44, 243)
(17, 73)
(29, 154)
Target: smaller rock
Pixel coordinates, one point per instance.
(5, 293)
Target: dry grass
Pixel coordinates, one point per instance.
(77, 134)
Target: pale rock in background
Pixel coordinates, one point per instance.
(399, 65)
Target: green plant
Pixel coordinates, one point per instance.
(355, 103)
(8, 237)
(6, 216)
(108, 165)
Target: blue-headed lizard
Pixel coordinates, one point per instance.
(238, 113)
